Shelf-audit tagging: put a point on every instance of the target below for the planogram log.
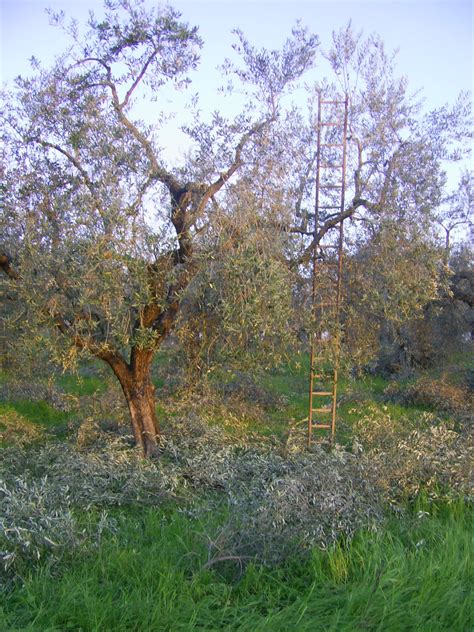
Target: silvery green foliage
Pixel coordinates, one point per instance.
(34, 522)
(436, 461)
(86, 218)
(277, 503)
(457, 212)
(43, 490)
(279, 506)
(99, 228)
(281, 503)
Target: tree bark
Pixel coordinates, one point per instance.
(139, 391)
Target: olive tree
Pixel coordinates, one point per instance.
(395, 188)
(396, 183)
(100, 237)
(457, 211)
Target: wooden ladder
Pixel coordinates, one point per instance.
(327, 265)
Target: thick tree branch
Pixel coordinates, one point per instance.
(236, 164)
(327, 226)
(157, 172)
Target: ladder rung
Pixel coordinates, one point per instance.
(326, 207)
(328, 166)
(331, 186)
(322, 393)
(328, 246)
(332, 102)
(320, 425)
(322, 410)
(331, 145)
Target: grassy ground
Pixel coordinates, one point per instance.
(151, 575)
(152, 572)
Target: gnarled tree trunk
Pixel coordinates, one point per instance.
(139, 391)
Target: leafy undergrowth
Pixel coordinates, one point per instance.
(279, 503)
(237, 526)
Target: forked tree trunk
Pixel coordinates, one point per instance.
(139, 391)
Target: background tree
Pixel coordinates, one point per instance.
(396, 186)
(457, 211)
(99, 235)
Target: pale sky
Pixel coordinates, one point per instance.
(435, 37)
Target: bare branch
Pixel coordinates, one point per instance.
(140, 76)
(74, 161)
(236, 164)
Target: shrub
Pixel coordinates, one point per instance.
(277, 504)
(280, 506)
(435, 393)
(35, 521)
(16, 430)
(408, 456)
(436, 460)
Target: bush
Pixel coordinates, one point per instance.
(16, 430)
(436, 461)
(35, 521)
(435, 393)
(277, 505)
(407, 457)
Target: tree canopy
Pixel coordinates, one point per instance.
(101, 238)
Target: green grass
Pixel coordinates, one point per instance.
(357, 398)
(414, 575)
(81, 385)
(39, 413)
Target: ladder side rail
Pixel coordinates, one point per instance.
(314, 287)
(337, 341)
